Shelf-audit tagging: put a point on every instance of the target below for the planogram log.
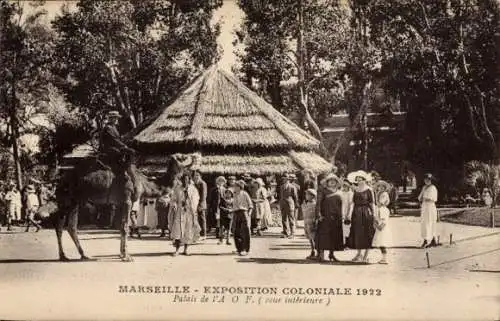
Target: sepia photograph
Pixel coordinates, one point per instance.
(250, 160)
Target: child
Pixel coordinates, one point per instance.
(224, 216)
(308, 209)
(382, 227)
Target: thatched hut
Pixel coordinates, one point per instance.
(234, 129)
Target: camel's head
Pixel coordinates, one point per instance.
(179, 164)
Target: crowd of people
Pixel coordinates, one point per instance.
(21, 208)
(338, 212)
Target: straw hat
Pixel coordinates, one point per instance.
(220, 180)
(330, 177)
(292, 176)
(30, 188)
(382, 185)
(311, 191)
(259, 181)
(351, 177)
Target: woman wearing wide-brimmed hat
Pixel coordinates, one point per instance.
(329, 235)
(428, 211)
(360, 215)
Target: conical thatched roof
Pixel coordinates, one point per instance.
(235, 130)
(218, 110)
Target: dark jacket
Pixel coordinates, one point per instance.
(110, 140)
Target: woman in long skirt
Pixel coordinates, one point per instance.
(361, 217)
(330, 236)
(261, 206)
(428, 212)
(183, 225)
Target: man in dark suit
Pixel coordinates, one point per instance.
(289, 201)
(111, 144)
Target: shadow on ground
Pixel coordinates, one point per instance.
(267, 260)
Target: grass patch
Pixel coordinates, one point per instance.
(477, 216)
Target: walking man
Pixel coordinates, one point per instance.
(288, 204)
(242, 209)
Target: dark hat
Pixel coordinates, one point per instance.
(429, 176)
(246, 176)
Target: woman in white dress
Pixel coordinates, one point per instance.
(383, 235)
(183, 225)
(428, 211)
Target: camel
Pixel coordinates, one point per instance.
(87, 185)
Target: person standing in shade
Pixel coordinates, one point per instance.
(288, 204)
(201, 186)
(428, 211)
(215, 199)
(162, 206)
(13, 200)
(242, 210)
(134, 213)
(225, 216)
(361, 215)
(330, 236)
(293, 180)
(261, 203)
(310, 227)
(231, 181)
(32, 205)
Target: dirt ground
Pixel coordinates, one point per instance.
(461, 284)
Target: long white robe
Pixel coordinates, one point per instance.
(183, 222)
(428, 212)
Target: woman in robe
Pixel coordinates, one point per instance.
(428, 211)
(330, 236)
(261, 206)
(183, 222)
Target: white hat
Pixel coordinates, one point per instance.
(351, 177)
(330, 177)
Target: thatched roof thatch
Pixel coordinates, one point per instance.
(264, 164)
(219, 111)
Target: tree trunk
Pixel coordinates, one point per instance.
(304, 108)
(14, 125)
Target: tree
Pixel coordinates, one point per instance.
(25, 57)
(441, 61)
(132, 56)
(295, 42)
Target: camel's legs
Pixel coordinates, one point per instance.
(72, 230)
(59, 232)
(112, 213)
(125, 211)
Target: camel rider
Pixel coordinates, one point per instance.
(112, 147)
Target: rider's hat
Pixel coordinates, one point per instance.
(113, 114)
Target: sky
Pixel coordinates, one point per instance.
(229, 15)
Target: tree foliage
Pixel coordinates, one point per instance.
(132, 56)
